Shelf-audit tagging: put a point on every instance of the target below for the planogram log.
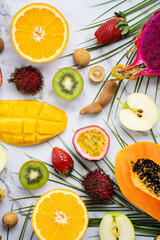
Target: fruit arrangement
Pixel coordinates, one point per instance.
(39, 33)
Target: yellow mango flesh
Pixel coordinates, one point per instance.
(27, 122)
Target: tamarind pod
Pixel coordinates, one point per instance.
(92, 108)
(107, 93)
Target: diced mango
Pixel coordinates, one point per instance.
(29, 125)
(27, 122)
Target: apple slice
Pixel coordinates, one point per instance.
(0, 77)
(139, 113)
(3, 158)
(116, 226)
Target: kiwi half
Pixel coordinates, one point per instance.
(68, 83)
(33, 174)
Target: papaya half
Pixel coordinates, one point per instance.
(137, 171)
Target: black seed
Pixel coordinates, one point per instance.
(140, 110)
(148, 171)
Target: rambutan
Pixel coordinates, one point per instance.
(98, 186)
(28, 80)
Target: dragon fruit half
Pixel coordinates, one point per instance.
(147, 61)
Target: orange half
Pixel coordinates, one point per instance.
(60, 215)
(39, 32)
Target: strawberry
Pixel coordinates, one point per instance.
(62, 161)
(112, 30)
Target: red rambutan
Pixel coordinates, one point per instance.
(98, 186)
(28, 80)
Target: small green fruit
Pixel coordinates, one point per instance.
(68, 83)
(33, 174)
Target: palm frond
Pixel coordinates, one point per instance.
(32, 235)
(130, 59)
(153, 136)
(103, 3)
(124, 88)
(24, 227)
(127, 12)
(148, 81)
(108, 10)
(156, 89)
(128, 134)
(138, 6)
(148, 9)
(140, 82)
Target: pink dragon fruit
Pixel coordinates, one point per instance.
(147, 61)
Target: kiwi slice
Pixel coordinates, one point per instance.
(33, 174)
(68, 83)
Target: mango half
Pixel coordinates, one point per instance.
(29, 122)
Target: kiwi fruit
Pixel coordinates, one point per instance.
(33, 174)
(68, 83)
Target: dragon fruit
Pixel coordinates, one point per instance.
(147, 61)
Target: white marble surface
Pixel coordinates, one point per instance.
(78, 14)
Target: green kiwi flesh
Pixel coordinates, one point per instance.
(33, 174)
(68, 83)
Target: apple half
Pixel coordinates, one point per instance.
(139, 112)
(3, 158)
(116, 226)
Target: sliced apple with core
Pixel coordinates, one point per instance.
(139, 112)
(3, 158)
(116, 226)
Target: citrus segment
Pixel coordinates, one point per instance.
(39, 32)
(60, 214)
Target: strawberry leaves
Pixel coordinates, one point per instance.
(122, 24)
(120, 14)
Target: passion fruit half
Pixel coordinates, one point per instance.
(91, 142)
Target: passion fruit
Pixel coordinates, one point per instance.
(91, 142)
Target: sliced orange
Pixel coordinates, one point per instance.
(39, 32)
(60, 215)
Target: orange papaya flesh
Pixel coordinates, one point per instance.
(138, 190)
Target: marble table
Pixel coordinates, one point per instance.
(78, 14)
